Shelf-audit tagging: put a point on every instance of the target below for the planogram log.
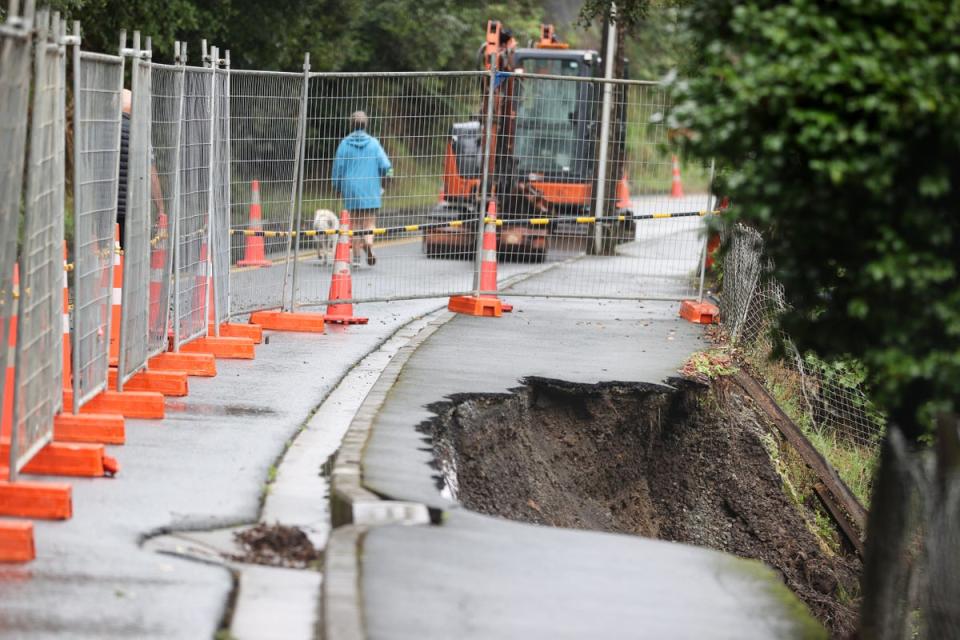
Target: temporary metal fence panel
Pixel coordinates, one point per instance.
(15, 48)
(135, 298)
(167, 101)
(193, 220)
(220, 207)
(97, 87)
(265, 118)
(411, 117)
(38, 363)
(641, 238)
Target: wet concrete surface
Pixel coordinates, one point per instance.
(483, 577)
(203, 466)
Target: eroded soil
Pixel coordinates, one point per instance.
(276, 545)
(687, 465)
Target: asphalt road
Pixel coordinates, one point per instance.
(662, 262)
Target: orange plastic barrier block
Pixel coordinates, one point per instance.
(167, 382)
(236, 330)
(129, 404)
(47, 501)
(102, 428)
(16, 542)
(202, 365)
(286, 321)
(229, 348)
(476, 306)
(699, 312)
(67, 459)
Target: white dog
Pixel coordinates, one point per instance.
(324, 220)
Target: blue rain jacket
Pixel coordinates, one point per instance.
(357, 169)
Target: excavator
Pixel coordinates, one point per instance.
(543, 153)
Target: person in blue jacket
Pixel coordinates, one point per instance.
(358, 170)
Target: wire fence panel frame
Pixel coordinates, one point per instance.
(97, 89)
(166, 92)
(410, 118)
(15, 68)
(220, 193)
(135, 296)
(38, 362)
(191, 296)
(265, 120)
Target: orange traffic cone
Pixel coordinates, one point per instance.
(341, 283)
(254, 254)
(158, 268)
(485, 304)
(676, 189)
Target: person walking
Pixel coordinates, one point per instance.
(359, 169)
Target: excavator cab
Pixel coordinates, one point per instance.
(543, 160)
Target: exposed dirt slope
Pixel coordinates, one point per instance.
(685, 465)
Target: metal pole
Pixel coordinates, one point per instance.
(177, 257)
(210, 61)
(706, 237)
(125, 291)
(485, 179)
(174, 209)
(75, 354)
(600, 195)
(297, 186)
(228, 192)
(300, 178)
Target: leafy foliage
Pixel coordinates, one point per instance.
(838, 128)
(366, 35)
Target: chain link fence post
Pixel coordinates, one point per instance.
(296, 194)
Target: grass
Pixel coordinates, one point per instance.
(854, 463)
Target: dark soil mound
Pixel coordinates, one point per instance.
(276, 545)
(685, 465)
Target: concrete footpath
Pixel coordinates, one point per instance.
(473, 576)
(204, 466)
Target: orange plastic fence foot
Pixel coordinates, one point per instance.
(102, 428)
(476, 306)
(16, 542)
(335, 316)
(46, 501)
(167, 382)
(68, 459)
(129, 404)
(202, 365)
(236, 330)
(222, 347)
(699, 312)
(286, 321)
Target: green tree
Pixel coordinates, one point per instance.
(837, 127)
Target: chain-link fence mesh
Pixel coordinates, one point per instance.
(410, 119)
(97, 83)
(167, 97)
(193, 223)
(135, 298)
(265, 119)
(38, 363)
(14, 105)
(220, 193)
(826, 399)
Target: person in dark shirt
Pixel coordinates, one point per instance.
(155, 191)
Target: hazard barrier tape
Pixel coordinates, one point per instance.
(534, 222)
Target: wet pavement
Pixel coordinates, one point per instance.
(204, 466)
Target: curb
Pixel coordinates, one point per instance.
(350, 501)
(341, 614)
